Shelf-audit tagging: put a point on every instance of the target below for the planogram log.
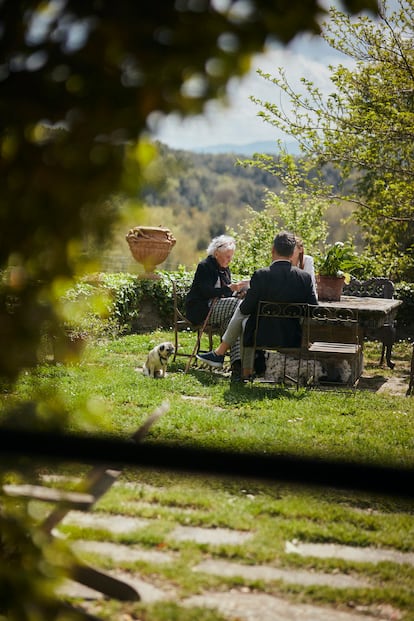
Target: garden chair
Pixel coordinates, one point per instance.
(182, 323)
(335, 336)
(376, 288)
(95, 484)
(291, 317)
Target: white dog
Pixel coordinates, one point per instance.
(157, 360)
(275, 364)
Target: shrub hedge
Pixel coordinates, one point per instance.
(121, 300)
(123, 295)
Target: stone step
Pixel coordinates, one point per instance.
(292, 576)
(115, 524)
(122, 553)
(232, 603)
(148, 593)
(214, 536)
(349, 553)
(255, 606)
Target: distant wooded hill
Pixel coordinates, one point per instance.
(198, 195)
(248, 149)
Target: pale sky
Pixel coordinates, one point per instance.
(307, 56)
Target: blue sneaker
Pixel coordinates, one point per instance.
(212, 359)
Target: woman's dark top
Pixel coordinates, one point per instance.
(204, 288)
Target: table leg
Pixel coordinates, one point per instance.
(388, 335)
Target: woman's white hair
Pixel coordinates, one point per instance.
(222, 242)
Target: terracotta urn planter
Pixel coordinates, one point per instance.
(150, 246)
(329, 287)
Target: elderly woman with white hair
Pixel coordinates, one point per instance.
(212, 281)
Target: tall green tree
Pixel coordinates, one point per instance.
(293, 208)
(364, 127)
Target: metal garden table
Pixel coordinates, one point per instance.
(373, 313)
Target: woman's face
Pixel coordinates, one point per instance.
(224, 257)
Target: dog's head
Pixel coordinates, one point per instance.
(166, 349)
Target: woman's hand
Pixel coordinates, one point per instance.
(239, 288)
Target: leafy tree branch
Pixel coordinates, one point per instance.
(364, 127)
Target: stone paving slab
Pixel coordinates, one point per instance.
(70, 588)
(148, 593)
(349, 553)
(263, 607)
(139, 487)
(394, 385)
(59, 478)
(116, 524)
(122, 553)
(292, 576)
(214, 536)
(240, 604)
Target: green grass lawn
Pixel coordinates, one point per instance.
(105, 392)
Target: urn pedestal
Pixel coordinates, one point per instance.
(329, 287)
(150, 246)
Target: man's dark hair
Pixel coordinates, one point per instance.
(284, 243)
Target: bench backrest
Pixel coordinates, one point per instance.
(371, 288)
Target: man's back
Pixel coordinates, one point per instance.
(281, 282)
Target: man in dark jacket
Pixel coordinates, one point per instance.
(280, 282)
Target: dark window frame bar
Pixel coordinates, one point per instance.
(117, 453)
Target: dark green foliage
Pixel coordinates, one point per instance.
(123, 296)
(28, 575)
(405, 291)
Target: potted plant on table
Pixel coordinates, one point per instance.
(333, 269)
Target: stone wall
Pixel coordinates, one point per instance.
(150, 318)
